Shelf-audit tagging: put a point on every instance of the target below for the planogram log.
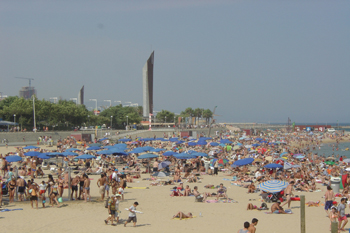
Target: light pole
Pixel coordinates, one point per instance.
(165, 119)
(127, 104)
(14, 121)
(95, 104)
(89, 120)
(110, 102)
(111, 122)
(127, 121)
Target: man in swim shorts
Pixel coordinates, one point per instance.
(21, 188)
(329, 198)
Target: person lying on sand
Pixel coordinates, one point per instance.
(181, 215)
(311, 203)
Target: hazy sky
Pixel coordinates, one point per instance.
(258, 61)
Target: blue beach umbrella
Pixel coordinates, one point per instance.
(137, 151)
(256, 144)
(147, 156)
(13, 158)
(201, 143)
(259, 139)
(124, 140)
(94, 148)
(192, 144)
(146, 148)
(164, 164)
(85, 156)
(120, 145)
(53, 154)
(173, 139)
(273, 166)
(32, 153)
(199, 154)
(72, 149)
(243, 162)
(169, 153)
(31, 147)
(179, 142)
(43, 156)
(95, 144)
(273, 186)
(284, 153)
(214, 144)
(70, 153)
(157, 150)
(105, 152)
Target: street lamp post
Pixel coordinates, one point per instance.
(110, 102)
(89, 120)
(127, 121)
(111, 122)
(165, 119)
(14, 121)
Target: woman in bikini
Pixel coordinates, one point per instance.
(54, 194)
(60, 185)
(12, 188)
(181, 215)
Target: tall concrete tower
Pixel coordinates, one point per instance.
(147, 77)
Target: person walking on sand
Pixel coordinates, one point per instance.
(329, 198)
(111, 210)
(101, 183)
(342, 217)
(132, 214)
(288, 193)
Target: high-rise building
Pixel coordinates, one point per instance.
(27, 92)
(81, 96)
(147, 76)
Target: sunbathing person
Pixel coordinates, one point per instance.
(251, 188)
(250, 206)
(181, 215)
(311, 203)
(221, 192)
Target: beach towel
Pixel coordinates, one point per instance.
(7, 210)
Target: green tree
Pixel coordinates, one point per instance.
(207, 114)
(165, 115)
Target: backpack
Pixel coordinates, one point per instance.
(106, 202)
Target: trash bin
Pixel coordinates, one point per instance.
(335, 183)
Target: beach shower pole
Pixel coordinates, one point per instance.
(69, 183)
(302, 213)
(334, 228)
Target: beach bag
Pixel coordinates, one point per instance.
(106, 202)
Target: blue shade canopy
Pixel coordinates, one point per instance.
(243, 162)
(124, 140)
(145, 148)
(225, 141)
(169, 153)
(273, 166)
(137, 151)
(13, 158)
(30, 147)
(179, 142)
(201, 143)
(43, 156)
(85, 156)
(214, 144)
(173, 139)
(273, 186)
(205, 138)
(95, 144)
(199, 154)
(147, 156)
(120, 145)
(32, 153)
(53, 154)
(94, 148)
(105, 152)
(284, 153)
(72, 149)
(157, 150)
(164, 164)
(258, 139)
(70, 153)
(185, 156)
(192, 144)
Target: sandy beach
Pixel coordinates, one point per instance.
(159, 207)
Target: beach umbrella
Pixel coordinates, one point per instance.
(214, 144)
(205, 138)
(120, 145)
(201, 143)
(346, 160)
(160, 174)
(95, 144)
(330, 158)
(137, 151)
(236, 148)
(243, 162)
(102, 139)
(94, 148)
(225, 141)
(157, 150)
(199, 154)
(43, 156)
(273, 166)
(169, 153)
(184, 156)
(221, 161)
(124, 140)
(13, 158)
(258, 160)
(173, 139)
(85, 156)
(239, 144)
(329, 162)
(284, 153)
(179, 142)
(108, 147)
(147, 156)
(263, 141)
(53, 154)
(300, 157)
(164, 164)
(72, 149)
(31, 147)
(70, 153)
(262, 150)
(146, 148)
(105, 152)
(32, 153)
(192, 144)
(259, 139)
(273, 186)
(268, 158)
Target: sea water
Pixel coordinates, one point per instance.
(327, 150)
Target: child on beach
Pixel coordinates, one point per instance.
(132, 214)
(333, 216)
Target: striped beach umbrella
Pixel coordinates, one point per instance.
(273, 186)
